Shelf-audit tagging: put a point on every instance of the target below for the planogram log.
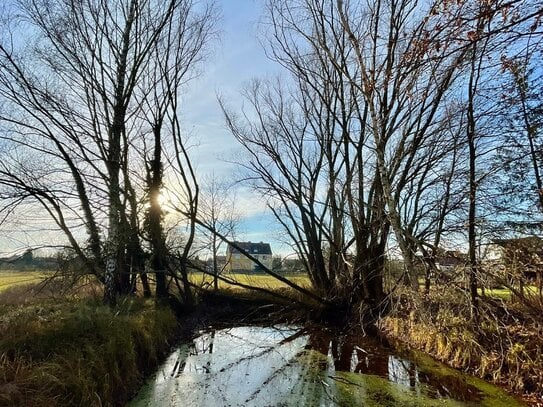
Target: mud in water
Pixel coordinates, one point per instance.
(291, 366)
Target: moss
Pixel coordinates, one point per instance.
(374, 391)
(504, 347)
(351, 389)
(491, 395)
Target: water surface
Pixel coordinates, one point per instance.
(292, 366)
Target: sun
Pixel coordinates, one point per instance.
(165, 201)
(162, 199)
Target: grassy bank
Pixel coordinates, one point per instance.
(503, 345)
(65, 350)
(78, 352)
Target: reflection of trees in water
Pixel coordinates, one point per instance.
(347, 353)
(302, 364)
(296, 373)
(403, 372)
(204, 345)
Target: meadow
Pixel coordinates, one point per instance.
(64, 348)
(257, 280)
(9, 278)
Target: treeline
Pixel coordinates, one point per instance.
(28, 261)
(404, 127)
(398, 127)
(90, 116)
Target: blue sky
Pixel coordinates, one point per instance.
(237, 58)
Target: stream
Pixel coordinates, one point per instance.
(292, 366)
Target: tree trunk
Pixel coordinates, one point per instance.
(159, 261)
(215, 264)
(116, 241)
(471, 138)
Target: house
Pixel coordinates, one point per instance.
(519, 255)
(236, 261)
(450, 260)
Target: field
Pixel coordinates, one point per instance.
(257, 280)
(506, 294)
(12, 278)
(20, 278)
(16, 278)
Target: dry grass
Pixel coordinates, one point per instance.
(79, 352)
(504, 345)
(60, 347)
(50, 291)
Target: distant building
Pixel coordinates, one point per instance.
(523, 256)
(237, 261)
(450, 260)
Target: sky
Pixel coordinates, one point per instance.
(237, 58)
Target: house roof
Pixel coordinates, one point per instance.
(531, 242)
(250, 247)
(451, 258)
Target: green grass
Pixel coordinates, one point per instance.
(499, 293)
(12, 278)
(256, 280)
(506, 294)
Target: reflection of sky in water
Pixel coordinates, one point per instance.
(285, 366)
(232, 359)
(402, 372)
(238, 366)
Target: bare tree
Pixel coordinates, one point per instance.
(307, 147)
(348, 150)
(171, 66)
(77, 95)
(521, 99)
(338, 153)
(217, 210)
